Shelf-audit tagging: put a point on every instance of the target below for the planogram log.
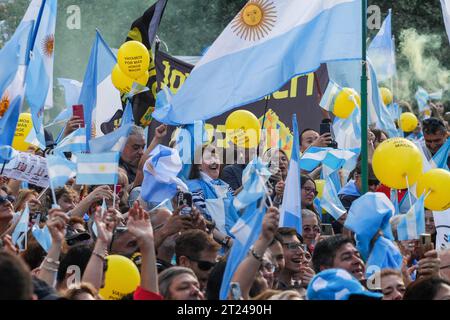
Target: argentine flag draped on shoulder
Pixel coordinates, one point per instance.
(263, 47)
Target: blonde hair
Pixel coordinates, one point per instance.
(74, 292)
(22, 198)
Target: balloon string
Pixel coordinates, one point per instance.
(426, 196)
(409, 191)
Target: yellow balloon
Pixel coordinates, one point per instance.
(142, 80)
(133, 59)
(120, 80)
(243, 129)
(121, 278)
(23, 128)
(397, 161)
(345, 103)
(320, 184)
(387, 96)
(408, 122)
(437, 183)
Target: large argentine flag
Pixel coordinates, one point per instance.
(98, 95)
(446, 13)
(265, 45)
(97, 169)
(12, 76)
(291, 209)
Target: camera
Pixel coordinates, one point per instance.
(325, 127)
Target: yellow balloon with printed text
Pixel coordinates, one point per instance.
(397, 162)
(320, 184)
(243, 129)
(23, 128)
(408, 122)
(387, 96)
(133, 58)
(346, 101)
(435, 184)
(121, 278)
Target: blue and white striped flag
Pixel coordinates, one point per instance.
(19, 235)
(285, 39)
(42, 236)
(348, 131)
(74, 142)
(330, 200)
(333, 158)
(12, 76)
(254, 179)
(112, 142)
(405, 205)
(328, 98)
(291, 208)
(72, 90)
(412, 224)
(422, 98)
(441, 157)
(101, 100)
(39, 77)
(60, 170)
(381, 51)
(98, 169)
(245, 232)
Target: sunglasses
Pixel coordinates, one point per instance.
(3, 199)
(204, 265)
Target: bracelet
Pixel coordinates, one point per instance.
(51, 261)
(49, 268)
(256, 256)
(103, 257)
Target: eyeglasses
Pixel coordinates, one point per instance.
(293, 246)
(311, 190)
(268, 267)
(203, 265)
(3, 199)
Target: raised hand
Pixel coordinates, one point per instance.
(161, 131)
(105, 225)
(57, 224)
(270, 224)
(139, 225)
(73, 124)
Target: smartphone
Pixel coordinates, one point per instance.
(327, 229)
(235, 290)
(78, 111)
(185, 199)
(117, 189)
(325, 128)
(425, 243)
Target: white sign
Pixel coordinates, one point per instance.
(29, 168)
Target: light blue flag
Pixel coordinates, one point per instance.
(160, 175)
(291, 208)
(112, 142)
(330, 200)
(74, 142)
(254, 179)
(189, 141)
(384, 255)
(382, 51)
(72, 90)
(348, 131)
(127, 116)
(394, 199)
(328, 98)
(407, 200)
(246, 63)
(440, 158)
(19, 235)
(422, 98)
(412, 224)
(7, 153)
(60, 170)
(12, 74)
(436, 95)
(42, 236)
(333, 158)
(245, 232)
(39, 77)
(367, 215)
(395, 111)
(98, 95)
(98, 169)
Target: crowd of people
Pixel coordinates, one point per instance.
(184, 256)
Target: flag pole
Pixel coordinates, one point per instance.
(364, 127)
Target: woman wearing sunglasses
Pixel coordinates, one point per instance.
(6, 211)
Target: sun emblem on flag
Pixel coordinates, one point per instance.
(4, 105)
(255, 21)
(48, 45)
(102, 168)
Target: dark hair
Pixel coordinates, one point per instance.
(425, 288)
(34, 254)
(378, 132)
(305, 178)
(286, 232)
(76, 256)
(358, 170)
(433, 126)
(15, 278)
(192, 242)
(325, 251)
(215, 279)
